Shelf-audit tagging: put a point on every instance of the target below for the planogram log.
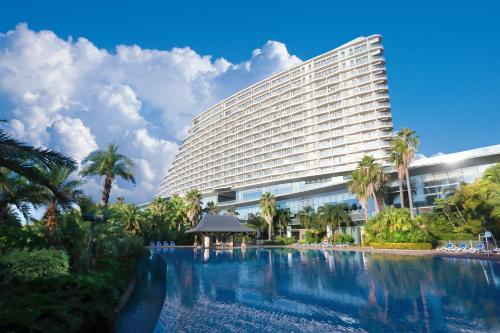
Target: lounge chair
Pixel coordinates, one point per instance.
(172, 243)
(449, 247)
(479, 248)
(165, 244)
(158, 244)
(151, 244)
(462, 247)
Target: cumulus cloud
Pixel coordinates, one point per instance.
(72, 96)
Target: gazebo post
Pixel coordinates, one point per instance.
(206, 241)
(243, 241)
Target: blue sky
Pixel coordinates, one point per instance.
(442, 58)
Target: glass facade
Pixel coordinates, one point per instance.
(427, 185)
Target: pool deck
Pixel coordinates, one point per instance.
(421, 253)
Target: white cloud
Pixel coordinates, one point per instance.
(72, 96)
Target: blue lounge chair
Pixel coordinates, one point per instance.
(448, 247)
(462, 247)
(165, 244)
(479, 248)
(151, 244)
(172, 243)
(158, 244)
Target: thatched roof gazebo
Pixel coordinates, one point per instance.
(219, 226)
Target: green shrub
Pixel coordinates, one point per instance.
(31, 265)
(309, 238)
(343, 238)
(402, 246)
(395, 225)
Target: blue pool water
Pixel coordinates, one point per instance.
(287, 290)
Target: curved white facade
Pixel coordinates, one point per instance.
(317, 118)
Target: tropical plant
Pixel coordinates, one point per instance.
(268, 210)
(306, 217)
(131, 218)
(395, 225)
(283, 218)
(403, 149)
(257, 221)
(67, 190)
(28, 161)
(32, 265)
(193, 203)
(367, 181)
(110, 164)
(357, 186)
(212, 208)
(334, 215)
(231, 210)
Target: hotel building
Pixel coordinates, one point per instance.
(300, 133)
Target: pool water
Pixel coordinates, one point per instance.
(288, 290)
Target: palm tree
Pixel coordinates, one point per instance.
(28, 161)
(193, 204)
(357, 186)
(212, 208)
(306, 216)
(131, 218)
(66, 192)
(334, 214)
(268, 210)
(110, 164)
(403, 149)
(231, 211)
(257, 221)
(283, 218)
(374, 177)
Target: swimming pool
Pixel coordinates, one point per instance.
(288, 290)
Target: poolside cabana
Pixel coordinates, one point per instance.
(219, 230)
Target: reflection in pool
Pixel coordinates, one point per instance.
(287, 290)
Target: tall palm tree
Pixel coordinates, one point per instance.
(374, 177)
(403, 149)
(131, 217)
(28, 161)
(212, 208)
(357, 186)
(110, 164)
(193, 204)
(283, 218)
(268, 210)
(66, 192)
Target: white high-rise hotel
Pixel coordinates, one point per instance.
(298, 130)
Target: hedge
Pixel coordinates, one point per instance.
(402, 246)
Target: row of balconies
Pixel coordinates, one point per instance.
(378, 67)
(219, 143)
(377, 97)
(291, 154)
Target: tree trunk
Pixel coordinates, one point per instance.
(51, 219)
(365, 208)
(377, 206)
(401, 197)
(270, 223)
(410, 197)
(108, 182)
